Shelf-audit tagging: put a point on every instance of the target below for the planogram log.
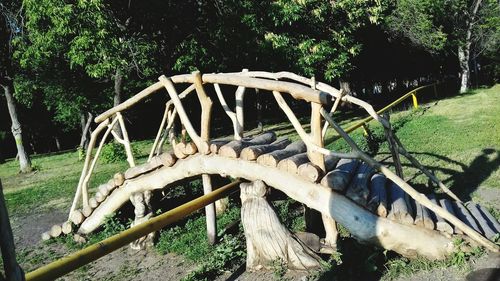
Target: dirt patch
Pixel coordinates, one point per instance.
(28, 229)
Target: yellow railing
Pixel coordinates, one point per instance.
(363, 122)
(87, 255)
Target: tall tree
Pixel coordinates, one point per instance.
(461, 27)
(9, 28)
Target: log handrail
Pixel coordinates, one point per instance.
(364, 121)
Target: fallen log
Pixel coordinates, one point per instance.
(291, 164)
(378, 195)
(273, 158)
(399, 205)
(234, 148)
(441, 224)
(339, 178)
(99, 197)
(358, 189)
(87, 211)
(251, 153)
(315, 173)
(93, 202)
(488, 230)
(55, 231)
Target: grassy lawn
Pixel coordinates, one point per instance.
(456, 138)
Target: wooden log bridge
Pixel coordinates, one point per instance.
(349, 188)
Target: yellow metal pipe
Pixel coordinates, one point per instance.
(387, 107)
(73, 261)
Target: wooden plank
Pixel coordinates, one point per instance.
(446, 204)
(234, 148)
(291, 164)
(251, 153)
(378, 195)
(339, 178)
(273, 158)
(358, 189)
(399, 211)
(483, 222)
(441, 224)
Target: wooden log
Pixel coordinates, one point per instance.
(105, 188)
(464, 215)
(441, 224)
(399, 205)
(488, 230)
(165, 159)
(87, 211)
(313, 172)
(46, 236)
(190, 148)
(99, 197)
(291, 164)
(446, 204)
(234, 148)
(378, 195)
(339, 178)
(273, 158)
(266, 238)
(119, 179)
(77, 217)
(251, 153)
(491, 219)
(55, 231)
(93, 203)
(215, 145)
(358, 189)
(67, 227)
(79, 239)
(179, 150)
(422, 216)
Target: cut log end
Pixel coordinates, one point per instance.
(119, 179)
(77, 217)
(55, 231)
(67, 227)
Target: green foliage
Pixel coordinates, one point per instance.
(114, 152)
(279, 269)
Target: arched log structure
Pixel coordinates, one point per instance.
(319, 184)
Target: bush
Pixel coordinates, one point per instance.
(113, 152)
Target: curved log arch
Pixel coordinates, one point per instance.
(364, 226)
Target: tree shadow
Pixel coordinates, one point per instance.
(466, 181)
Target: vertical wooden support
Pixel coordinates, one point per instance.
(203, 146)
(13, 272)
(206, 112)
(319, 160)
(126, 143)
(240, 97)
(415, 102)
(393, 147)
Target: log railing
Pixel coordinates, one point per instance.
(318, 94)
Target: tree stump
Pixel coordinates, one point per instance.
(143, 211)
(266, 238)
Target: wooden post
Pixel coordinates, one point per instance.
(206, 112)
(240, 96)
(393, 147)
(319, 160)
(12, 269)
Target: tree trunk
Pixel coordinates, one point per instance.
(24, 159)
(85, 122)
(464, 51)
(463, 58)
(117, 99)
